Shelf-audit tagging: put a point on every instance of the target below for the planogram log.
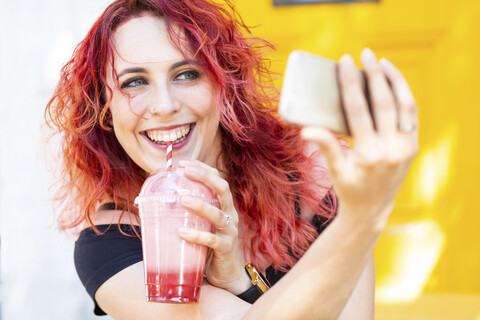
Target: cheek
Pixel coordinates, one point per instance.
(138, 104)
(204, 102)
(210, 116)
(120, 116)
(126, 111)
(212, 123)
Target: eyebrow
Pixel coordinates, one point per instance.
(143, 70)
(131, 70)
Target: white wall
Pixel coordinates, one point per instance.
(37, 272)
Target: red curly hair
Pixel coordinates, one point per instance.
(267, 169)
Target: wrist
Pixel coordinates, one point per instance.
(365, 219)
(258, 284)
(242, 284)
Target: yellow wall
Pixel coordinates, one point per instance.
(428, 258)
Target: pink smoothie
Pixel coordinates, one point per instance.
(173, 267)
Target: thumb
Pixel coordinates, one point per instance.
(328, 145)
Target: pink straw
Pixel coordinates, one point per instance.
(169, 155)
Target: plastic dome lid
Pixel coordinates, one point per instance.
(170, 186)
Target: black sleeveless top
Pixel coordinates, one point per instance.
(98, 257)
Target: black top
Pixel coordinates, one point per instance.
(100, 256)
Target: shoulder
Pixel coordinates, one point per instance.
(112, 217)
(99, 256)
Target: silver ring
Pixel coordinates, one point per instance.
(227, 223)
(407, 127)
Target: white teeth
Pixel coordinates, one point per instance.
(152, 135)
(170, 136)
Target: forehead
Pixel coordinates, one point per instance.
(144, 40)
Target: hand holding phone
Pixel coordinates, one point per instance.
(367, 178)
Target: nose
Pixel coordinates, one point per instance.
(164, 103)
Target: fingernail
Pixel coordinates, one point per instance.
(307, 133)
(312, 133)
(347, 60)
(368, 56)
(187, 200)
(386, 65)
(183, 163)
(182, 232)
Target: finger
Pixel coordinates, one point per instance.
(204, 238)
(199, 171)
(407, 107)
(354, 102)
(328, 144)
(382, 100)
(199, 206)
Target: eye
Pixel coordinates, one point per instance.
(188, 75)
(134, 83)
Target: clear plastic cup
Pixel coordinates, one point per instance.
(173, 267)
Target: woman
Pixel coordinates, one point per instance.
(151, 72)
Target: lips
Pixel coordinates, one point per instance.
(164, 136)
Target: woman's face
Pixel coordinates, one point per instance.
(165, 98)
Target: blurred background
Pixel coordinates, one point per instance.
(38, 279)
(428, 257)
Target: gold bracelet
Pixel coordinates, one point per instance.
(257, 277)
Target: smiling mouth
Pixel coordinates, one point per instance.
(169, 136)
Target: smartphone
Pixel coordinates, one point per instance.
(310, 93)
